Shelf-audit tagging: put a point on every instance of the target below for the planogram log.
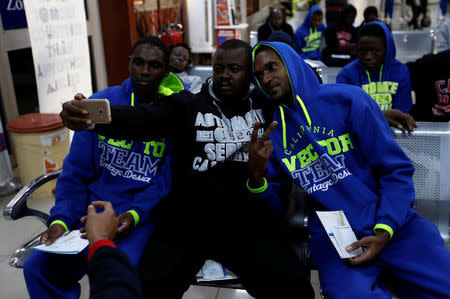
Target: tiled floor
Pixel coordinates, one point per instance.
(14, 233)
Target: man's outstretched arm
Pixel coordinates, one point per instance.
(142, 122)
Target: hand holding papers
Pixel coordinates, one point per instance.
(340, 232)
(68, 243)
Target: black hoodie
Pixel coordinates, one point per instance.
(210, 139)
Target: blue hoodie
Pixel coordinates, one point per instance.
(337, 145)
(131, 175)
(390, 87)
(307, 38)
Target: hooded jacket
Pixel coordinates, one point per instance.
(390, 87)
(307, 38)
(337, 146)
(133, 176)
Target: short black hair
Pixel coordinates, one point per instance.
(232, 44)
(153, 41)
(273, 11)
(372, 29)
(318, 13)
(182, 45)
(370, 10)
(281, 36)
(348, 8)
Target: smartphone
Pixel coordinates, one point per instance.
(98, 109)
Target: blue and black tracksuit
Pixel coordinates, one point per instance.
(210, 137)
(390, 86)
(337, 146)
(133, 176)
(307, 38)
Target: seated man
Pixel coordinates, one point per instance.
(180, 59)
(134, 176)
(309, 35)
(370, 15)
(276, 21)
(377, 71)
(334, 142)
(340, 38)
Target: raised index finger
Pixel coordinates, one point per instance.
(268, 131)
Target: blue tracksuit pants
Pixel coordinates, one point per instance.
(415, 256)
(49, 275)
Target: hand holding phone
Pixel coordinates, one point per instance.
(98, 109)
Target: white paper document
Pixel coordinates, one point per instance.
(213, 270)
(68, 243)
(340, 232)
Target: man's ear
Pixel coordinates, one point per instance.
(129, 60)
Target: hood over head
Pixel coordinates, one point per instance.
(303, 81)
(390, 44)
(307, 21)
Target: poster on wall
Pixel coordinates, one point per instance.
(226, 34)
(59, 44)
(222, 13)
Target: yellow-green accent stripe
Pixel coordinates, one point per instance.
(384, 227)
(258, 190)
(304, 110)
(135, 216)
(283, 125)
(61, 223)
(381, 71)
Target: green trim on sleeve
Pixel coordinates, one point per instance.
(258, 190)
(61, 223)
(384, 227)
(135, 216)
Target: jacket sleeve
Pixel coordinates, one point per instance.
(299, 39)
(196, 84)
(274, 194)
(144, 122)
(343, 77)
(145, 200)
(111, 275)
(289, 30)
(393, 169)
(72, 194)
(403, 100)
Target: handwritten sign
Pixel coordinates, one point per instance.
(59, 44)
